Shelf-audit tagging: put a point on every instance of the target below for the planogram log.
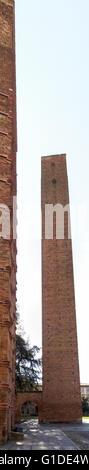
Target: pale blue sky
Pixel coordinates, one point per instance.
(52, 66)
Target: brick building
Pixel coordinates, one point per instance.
(7, 191)
(61, 398)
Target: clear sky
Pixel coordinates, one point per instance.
(52, 68)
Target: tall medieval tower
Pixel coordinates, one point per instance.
(61, 386)
(7, 192)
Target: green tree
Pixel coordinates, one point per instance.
(28, 365)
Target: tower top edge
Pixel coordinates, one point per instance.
(54, 156)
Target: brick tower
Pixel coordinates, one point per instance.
(7, 191)
(61, 386)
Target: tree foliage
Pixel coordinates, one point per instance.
(28, 365)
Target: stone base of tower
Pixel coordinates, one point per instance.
(66, 413)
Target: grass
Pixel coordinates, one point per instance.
(85, 417)
(27, 418)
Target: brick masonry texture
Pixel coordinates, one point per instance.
(7, 191)
(61, 399)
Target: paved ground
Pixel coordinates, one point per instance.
(52, 436)
(78, 433)
(41, 437)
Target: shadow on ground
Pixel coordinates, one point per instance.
(50, 436)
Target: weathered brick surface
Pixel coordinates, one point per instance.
(61, 386)
(7, 191)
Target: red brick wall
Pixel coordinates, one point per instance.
(7, 190)
(61, 386)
